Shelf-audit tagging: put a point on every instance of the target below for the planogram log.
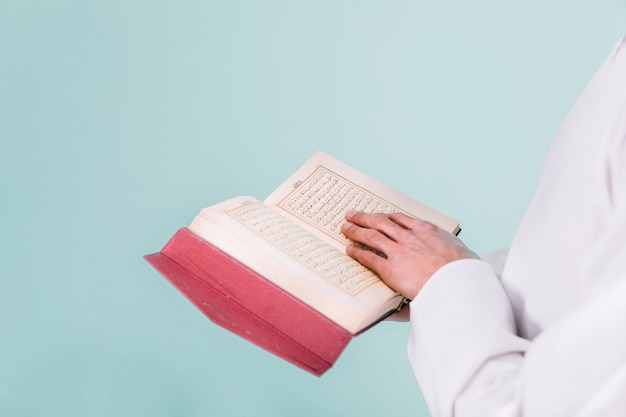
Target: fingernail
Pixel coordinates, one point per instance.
(350, 214)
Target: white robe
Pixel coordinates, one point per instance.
(548, 337)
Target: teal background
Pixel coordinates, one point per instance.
(119, 120)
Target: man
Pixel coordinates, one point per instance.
(548, 337)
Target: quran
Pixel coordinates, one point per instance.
(275, 271)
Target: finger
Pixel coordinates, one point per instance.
(366, 258)
(403, 315)
(408, 222)
(377, 221)
(369, 237)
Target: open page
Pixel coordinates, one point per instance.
(320, 193)
(303, 264)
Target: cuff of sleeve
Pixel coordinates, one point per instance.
(444, 278)
(466, 294)
(459, 320)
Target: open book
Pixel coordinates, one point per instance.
(294, 238)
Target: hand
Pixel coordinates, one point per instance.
(402, 315)
(411, 250)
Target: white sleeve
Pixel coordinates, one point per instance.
(463, 344)
(469, 362)
(566, 277)
(496, 259)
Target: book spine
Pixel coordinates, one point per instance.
(242, 301)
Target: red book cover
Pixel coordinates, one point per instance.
(245, 303)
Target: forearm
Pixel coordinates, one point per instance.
(463, 344)
(469, 361)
